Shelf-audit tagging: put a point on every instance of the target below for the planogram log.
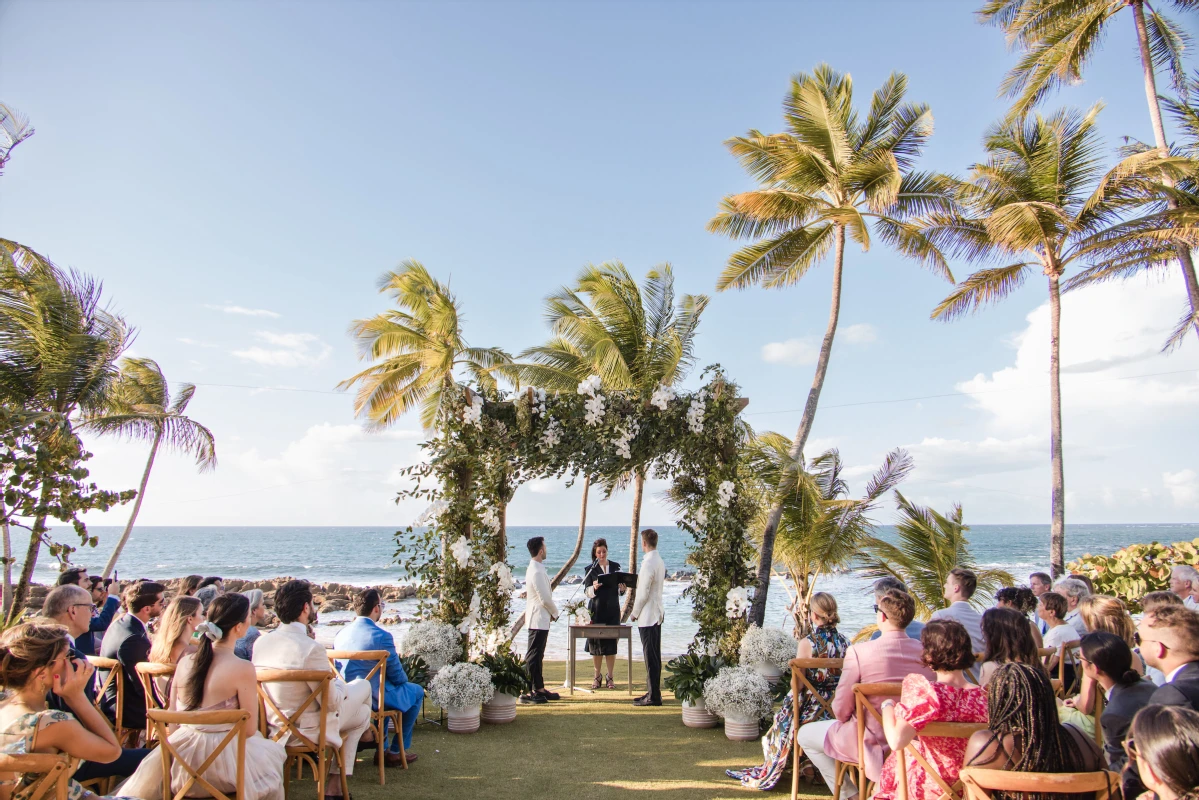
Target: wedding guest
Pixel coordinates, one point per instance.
(540, 611)
(173, 639)
(290, 647)
(398, 693)
(1040, 582)
(1086, 580)
(1167, 751)
(189, 585)
(35, 660)
(1024, 601)
(1107, 662)
(881, 587)
(825, 641)
(1154, 599)
(213, 678)
(245, 645)
(1169, 640)
(959, 587)
(213, 580)
(1184, 582)
(1074, 591)
(888, 659)
(126, 641)
(604, 608)
(1008, 639)
(105, 604)
(648, 613)
(1052, 611)
(210, 589)
(1101, 613)
(948, 652)
(75, 576)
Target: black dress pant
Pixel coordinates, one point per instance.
(535, 655)
(651, 650)
(123, 767)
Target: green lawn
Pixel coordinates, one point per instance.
(590, 746)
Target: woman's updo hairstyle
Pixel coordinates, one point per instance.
(26, 648)
(825, 606)
(1018, 597)
(1111, 655)
(226, 613)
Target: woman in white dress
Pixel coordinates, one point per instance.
(215, 679)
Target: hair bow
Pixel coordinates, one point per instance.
(210, 630)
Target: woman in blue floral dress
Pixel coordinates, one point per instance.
(823, 642)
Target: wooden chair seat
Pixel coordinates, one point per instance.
(980, 783)
(799, 680)
(319, 755)
(161, 720)
(53, 773)
(381, 716)
(862, 693)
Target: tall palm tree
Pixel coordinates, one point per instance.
(1059, 39)
(928, 545)
(140, 406)
(635, 338)
(416, 349)
(14, 129)
(832, 174)
(1041, 201)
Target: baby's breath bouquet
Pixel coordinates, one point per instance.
(436, 643)
(462, 685)
(767, 646)
(738, 693)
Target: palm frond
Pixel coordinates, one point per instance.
(980, 289)
(1188, 323)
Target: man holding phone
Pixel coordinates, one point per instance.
(106, 603)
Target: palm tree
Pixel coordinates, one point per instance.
(928, 545)
(822, 528)
(416, 349)
(1041, 201)
(14, 129)
(1060, 37)
(832, 174)
(140, 407)
(635, 338)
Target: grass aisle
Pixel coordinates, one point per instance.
(590, 746)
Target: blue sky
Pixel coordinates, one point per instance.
(240, 174)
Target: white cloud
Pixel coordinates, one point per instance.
(1183, 487)
(955, 458)
(862, 333)
(194, 342)
(243, 311)
(287, 350)
(793, 352)
(544, 486)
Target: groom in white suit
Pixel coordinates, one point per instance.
(648, 612)
(540, 611)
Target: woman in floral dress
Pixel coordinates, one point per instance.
(823, 642)
(950, 698)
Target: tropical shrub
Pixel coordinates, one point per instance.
(416, 669)
(461, 685)
(738, 692)
(767, 646)
(689, 672)
(436, 643)
(1136, 570)
(509, 675)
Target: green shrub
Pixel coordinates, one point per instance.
(1136, 570)
(688, 673)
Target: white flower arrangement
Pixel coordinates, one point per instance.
(695, 412)
(736, 602)
(472, 615)
(766, 646)
(739, 693)
(461, 551)
(577, 609)
(625, 436)
(503, 574)
(463, 685)
(538, 406)
(700, 516)
(550, 436)
(591, 386)
(725, 493)
(662, 397)
(486, 642)
(432, 513)
(437, 643)
(490, 519)
(472, 412)
(595, 409)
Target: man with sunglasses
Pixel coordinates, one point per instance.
(1168, 637)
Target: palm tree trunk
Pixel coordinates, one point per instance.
(634, 539)
(757, 612)
(7, 588)
(1057, 533)
(1159, 138)
(35, 546)
(137, 506)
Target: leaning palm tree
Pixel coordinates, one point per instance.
(416, 349)
(1059, 39)
(635, 338)
(927, 546)
(140, 406)
(1041, 202)
(833, 174)
(14, 129)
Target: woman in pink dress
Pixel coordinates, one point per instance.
(950, 698)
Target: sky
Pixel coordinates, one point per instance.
(240, 174)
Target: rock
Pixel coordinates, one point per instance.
(335, 604)
(335, 622)
(390, 619)
(572, 580)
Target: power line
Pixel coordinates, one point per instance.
(270, 388)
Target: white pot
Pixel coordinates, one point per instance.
(499, 709)
(741, 730)
(768, 671)
(697, 715)
(462, 719)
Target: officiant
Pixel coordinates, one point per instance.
(604, 606)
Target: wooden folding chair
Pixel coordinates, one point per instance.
(380, 716)
(53, 771)
(970, 674)
(799, 680)
(949, 730)
(109, 672)
(862, 693)
(160, 720)
(1097, 707)
(980, 783)
(147, 671)
(301, 749)
(1063, 652)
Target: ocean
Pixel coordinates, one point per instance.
(364, 556)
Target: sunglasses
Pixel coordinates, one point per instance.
(1136, 638)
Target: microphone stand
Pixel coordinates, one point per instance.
(569, 642)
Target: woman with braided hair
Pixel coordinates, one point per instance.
(1165, 744)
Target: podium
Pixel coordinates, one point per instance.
(597, 632)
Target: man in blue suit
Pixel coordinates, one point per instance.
(399, 694)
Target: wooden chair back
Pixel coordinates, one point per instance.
(147, 671)
(53, 773)
(934, 730)
(378, 656)
(862, 693)
(300, 747)
(1099, 704)
(973, 674)
(799, 680)
(160, 720)
(108, 673)
(980, 783)
(381, 715)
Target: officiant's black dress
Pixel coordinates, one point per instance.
(605, 609)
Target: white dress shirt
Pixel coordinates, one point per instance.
(1076, 621)
(540, 610)
(648, 609)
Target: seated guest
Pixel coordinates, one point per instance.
(1103, 614)
(959, 588)
(823, 642)
(1155, 599)
(881, 586)
(1107, 661)
(1019, 598)
(948, 652)
(1086, 581)
(1169, 639)
(888, 659)
(1008, 637)
(1024, 733)
(290, 647)
(35, 660)
(105, 604)
(75, 576)
(1184, 582)
(1052, 611)
(1167, 751)
(399, 693)
(245, 645)
(1074, 591)
(210, 589)
(173, 639)
(190, 584)
(1039, 583)
(214, 679)
(126, 641)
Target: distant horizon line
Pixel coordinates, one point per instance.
(670, 525)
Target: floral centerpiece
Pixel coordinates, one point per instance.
(510, 679)
(578, 610)
(436, 643)
(461, 689)
(688, 673)
(742, 697)
(767, 650)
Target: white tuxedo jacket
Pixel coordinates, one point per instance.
(539, 598)
(647, 606)
(288, 647)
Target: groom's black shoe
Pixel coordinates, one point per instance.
(548, 695)
(534, 699)
(645, 701)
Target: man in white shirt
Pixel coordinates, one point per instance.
(648, 613)
(960, 585)
(1040, 582)
(1073, 590)
(1184, 582)
(540, 611)
(290, 647)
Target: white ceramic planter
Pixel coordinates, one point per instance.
(499, 709)
(697, 715)
(768, 671)
(741, 730)
(462, 720)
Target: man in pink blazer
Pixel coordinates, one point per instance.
(887, 659)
